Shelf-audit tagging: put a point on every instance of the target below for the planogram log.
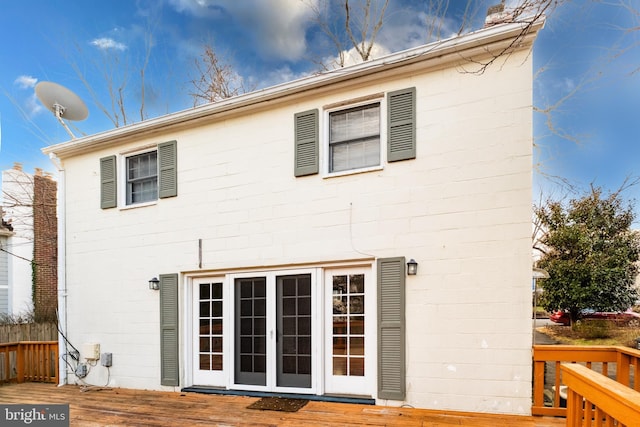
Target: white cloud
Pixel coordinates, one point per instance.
(352, 57)
(25, 82)
(277, 27)
(197, 7)
(410, 25)
(568, 84)
(105, 43)
(404, 30)
(282, 74)
(30, 106)
(33, 106)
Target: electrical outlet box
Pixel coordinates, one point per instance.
(81, 370)
(106, 359)
(91, 351)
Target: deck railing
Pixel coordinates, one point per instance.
(596, 400)
(620, 364)
(29, 361)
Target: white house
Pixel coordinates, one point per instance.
(17, 202)
(6, 232)
(280, 224)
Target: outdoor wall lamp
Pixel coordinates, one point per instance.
(412, 267)
(154, 284)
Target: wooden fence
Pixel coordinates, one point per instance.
(28, 332)
(30, 361)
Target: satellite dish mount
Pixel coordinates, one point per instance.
(62, 102)
(59, 111)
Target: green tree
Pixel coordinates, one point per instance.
(590, 253)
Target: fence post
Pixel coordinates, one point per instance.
(574, 409)
(20, 363)
(623, 373)
(7, 364)
(54, 352)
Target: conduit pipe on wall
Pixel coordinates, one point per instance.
(62, 272)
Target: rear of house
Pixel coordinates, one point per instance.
(279, 225)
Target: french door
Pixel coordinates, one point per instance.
(209, 341)
(287, 335)
(293, 329)
(350, 338)
(301, 331)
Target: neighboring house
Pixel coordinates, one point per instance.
(28, 253)
(279, 224)
(6, 231)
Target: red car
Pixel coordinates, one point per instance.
(626, 318)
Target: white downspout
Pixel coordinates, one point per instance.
(62, 272)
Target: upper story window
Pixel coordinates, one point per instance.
(142, 177)
(354, 138)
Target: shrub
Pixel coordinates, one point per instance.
(593, 328)
(16, 319)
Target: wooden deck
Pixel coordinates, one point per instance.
(125, 407)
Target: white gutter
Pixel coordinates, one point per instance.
(455, 48)
(62, 272)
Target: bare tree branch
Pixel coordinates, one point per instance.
(366, 39)
(361, 28)
(528, 12)
(215, 79)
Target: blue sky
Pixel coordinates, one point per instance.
(585, 50)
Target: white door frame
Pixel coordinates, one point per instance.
(340, 384)
(323, 380)
(212, 378)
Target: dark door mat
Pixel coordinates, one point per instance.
(278, 404)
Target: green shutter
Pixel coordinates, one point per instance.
(401, 126)
(391, 328)
(169, 360)
(306, 143)
(108, 183)
(168, 165)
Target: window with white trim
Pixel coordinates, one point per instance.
(354, 138)
(142, 177)
(355, 133)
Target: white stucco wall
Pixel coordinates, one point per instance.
(462, 209)
(17, 201)
(4, 276)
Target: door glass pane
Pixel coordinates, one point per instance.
(348, 325)
(216, 362)
(210, 326)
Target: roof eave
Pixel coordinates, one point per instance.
(435, 53)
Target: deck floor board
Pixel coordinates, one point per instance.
(126, 407)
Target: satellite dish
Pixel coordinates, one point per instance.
(62, 102)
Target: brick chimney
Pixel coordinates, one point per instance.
(45, 243)
(496, 14)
